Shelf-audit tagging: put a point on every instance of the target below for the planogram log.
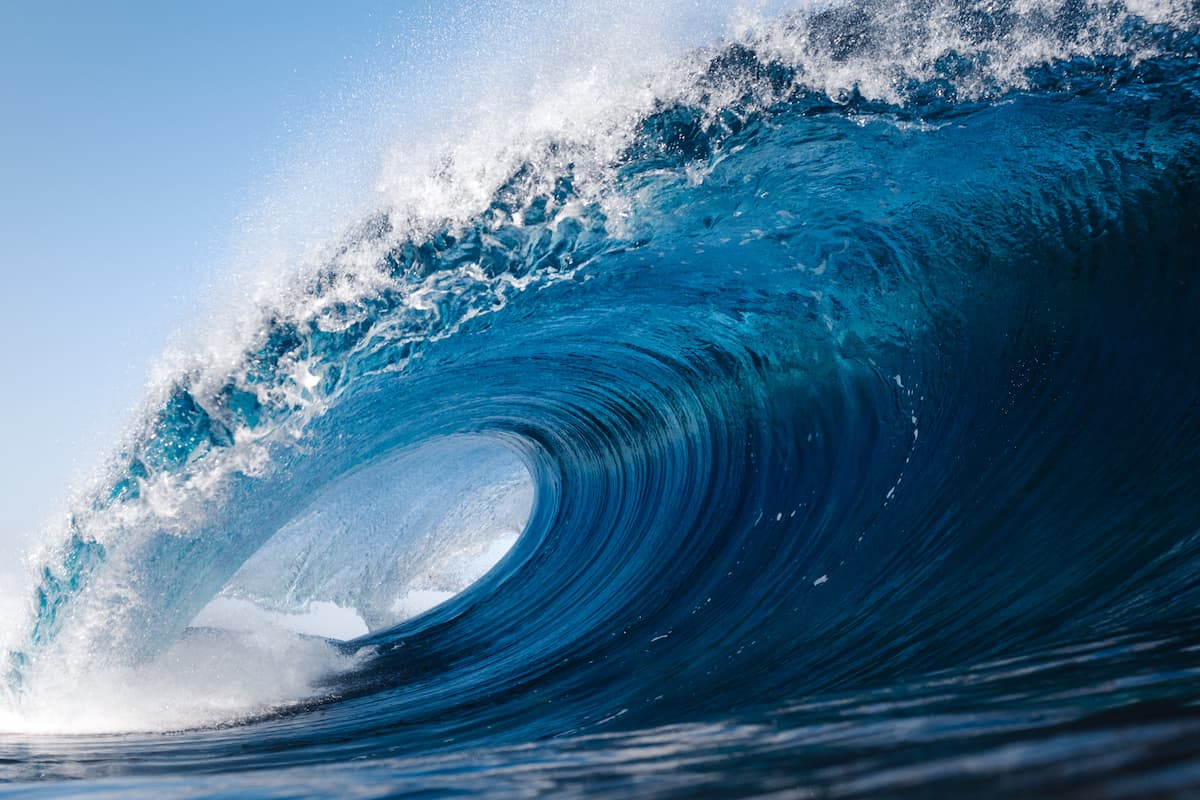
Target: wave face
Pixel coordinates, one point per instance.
(840, 378)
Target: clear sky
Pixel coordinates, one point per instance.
(134, 134)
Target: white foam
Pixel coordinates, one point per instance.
(206, 678)
(318, 618)
(418, 601)
(906, 40)
(454, 572)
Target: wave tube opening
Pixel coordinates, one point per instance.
(385, 543)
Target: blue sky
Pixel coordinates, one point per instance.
(133, 137)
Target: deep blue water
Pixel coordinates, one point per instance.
(865, 447)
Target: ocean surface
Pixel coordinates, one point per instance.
(810, 411)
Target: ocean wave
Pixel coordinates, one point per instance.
(839, 379)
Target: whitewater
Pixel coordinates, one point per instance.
(780, 399)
